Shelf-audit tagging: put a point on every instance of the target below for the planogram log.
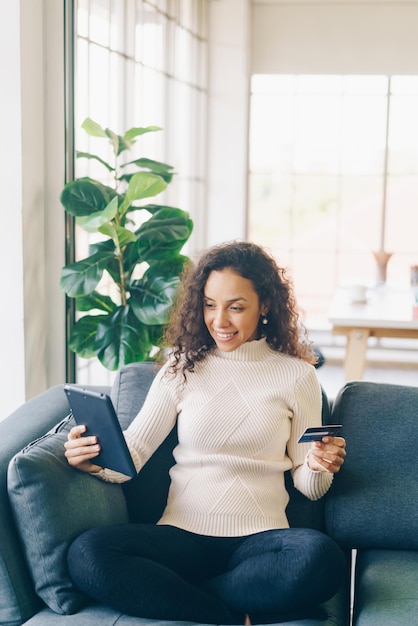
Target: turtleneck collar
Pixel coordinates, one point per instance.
(255, 350)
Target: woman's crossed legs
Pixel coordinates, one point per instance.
(163, 572)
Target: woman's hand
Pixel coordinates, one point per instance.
(327, 455)
(80, 450)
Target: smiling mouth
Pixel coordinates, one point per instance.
(225, 335)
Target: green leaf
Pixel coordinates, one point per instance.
(104, 247)
(152, 298)
(164, 234)
(142, 185)
(114, 140)
(167, 268)
(135, 132)
(155, 334)
(153, 208)
(83, 335)
(87, 155)
(121, 339)
(131, 258)
(95, 300)
(80, 278)
(93, 128)
(121, 236)
(92, 223)
(120, 144)
(83, 197)
(127, 177)
(156, 167)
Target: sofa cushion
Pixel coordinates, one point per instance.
(130, 388)
(386, 591)
(52, 504)
(18, 600)
(373, 500)
(152, 483)
(105, 616)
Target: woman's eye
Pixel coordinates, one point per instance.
(237, 308)
(208, 305)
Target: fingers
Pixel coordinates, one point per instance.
(80, 450)
(76, 431)
(76, 445)
(327, 455)
(337, 441)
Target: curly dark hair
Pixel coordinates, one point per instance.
(187, 331)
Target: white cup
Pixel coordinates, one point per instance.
(358, 293)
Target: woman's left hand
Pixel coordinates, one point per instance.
(327, 455)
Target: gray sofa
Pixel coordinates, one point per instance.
(44, 504)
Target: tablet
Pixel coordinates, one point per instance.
(96, 411)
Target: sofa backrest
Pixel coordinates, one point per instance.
(373, 500)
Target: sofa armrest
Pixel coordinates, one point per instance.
(32, 420)
(372, 501)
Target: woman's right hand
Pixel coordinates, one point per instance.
(80, 450)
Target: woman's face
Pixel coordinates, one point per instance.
(231, 309)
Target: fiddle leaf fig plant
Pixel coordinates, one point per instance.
(138, 252)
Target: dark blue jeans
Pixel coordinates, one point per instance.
(164, 572)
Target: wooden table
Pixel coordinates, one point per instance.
(387, 312)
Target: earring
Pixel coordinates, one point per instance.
(264, 320)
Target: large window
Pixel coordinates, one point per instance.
(334, 178)
(141, 63)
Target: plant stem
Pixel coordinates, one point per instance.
(122, 282)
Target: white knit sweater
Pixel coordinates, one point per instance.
(239, 417)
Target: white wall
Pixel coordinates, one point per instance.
(12, 378)
(33, 193)
(364, 36)
(32, 312)
(229, 49)
(54, 172)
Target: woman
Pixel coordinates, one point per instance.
(242, 388)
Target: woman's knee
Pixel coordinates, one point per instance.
(275, 569)
(89, 548)
(314, 562)
(312, 552)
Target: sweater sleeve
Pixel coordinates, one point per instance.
(151, 426)
(306, 413)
